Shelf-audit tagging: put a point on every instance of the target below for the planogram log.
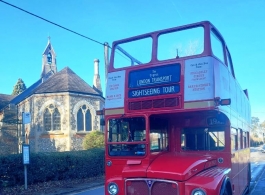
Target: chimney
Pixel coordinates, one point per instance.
(96, 80)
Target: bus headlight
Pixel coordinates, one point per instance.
(198, 191)
(113, 188)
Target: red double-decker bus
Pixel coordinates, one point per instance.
(177, 121)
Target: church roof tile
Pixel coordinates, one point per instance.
(4, 100)
(65, 81)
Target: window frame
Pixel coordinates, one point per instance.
(85, 114)
(121, 134)
(179, 53)
(204, 134)
(50, 110)
(215, 34)
(235, 135)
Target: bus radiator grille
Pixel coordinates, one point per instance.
(137, 187)
(151, 187)
(162, 188)
(159, 103)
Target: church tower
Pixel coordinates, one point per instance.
(48, 61)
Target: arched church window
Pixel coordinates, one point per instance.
(52, 118)
(80, 120)
(84, 119)
(88, 121)
(56, 119)
(47, 120)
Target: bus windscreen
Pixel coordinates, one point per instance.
(127, 137)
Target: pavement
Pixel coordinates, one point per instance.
(259, 186)
(72, 189)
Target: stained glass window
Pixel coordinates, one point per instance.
(47, 120)
(88, 121)
(80, 120)
(84, 119)
(56, 120)
(52, 118)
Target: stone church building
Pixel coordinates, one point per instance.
(62, 107)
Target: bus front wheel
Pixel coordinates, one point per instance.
(226, 192)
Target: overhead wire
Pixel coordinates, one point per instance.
(60, 26)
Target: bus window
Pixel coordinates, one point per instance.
(182, 43)
(126, 133)
(217, 46)
(229, 63)
(133, 53)
(158, 135)
(244, 143)
(247, 138)
(234, 139)
(210, 139)
(118, 131)
(239, 139)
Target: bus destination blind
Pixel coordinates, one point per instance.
(154, 81)
(155, 76)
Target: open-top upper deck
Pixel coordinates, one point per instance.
(185, 42)
(186, 68)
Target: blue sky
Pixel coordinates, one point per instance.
(24, 37)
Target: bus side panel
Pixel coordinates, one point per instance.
(221, 80)
(208, 182)
(244, 168)
(235, 171)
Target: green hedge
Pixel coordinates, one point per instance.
(51, 166)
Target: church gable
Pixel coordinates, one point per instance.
(49, 49)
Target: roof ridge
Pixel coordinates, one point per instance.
(66, 80)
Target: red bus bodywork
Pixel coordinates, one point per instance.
(176, 126)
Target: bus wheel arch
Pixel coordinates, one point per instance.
(226, 188)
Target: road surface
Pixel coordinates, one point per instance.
(94, 191)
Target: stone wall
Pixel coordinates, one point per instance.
(67, 138)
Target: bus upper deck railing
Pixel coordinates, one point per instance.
(170, 44)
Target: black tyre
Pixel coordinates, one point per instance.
(226, 192)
